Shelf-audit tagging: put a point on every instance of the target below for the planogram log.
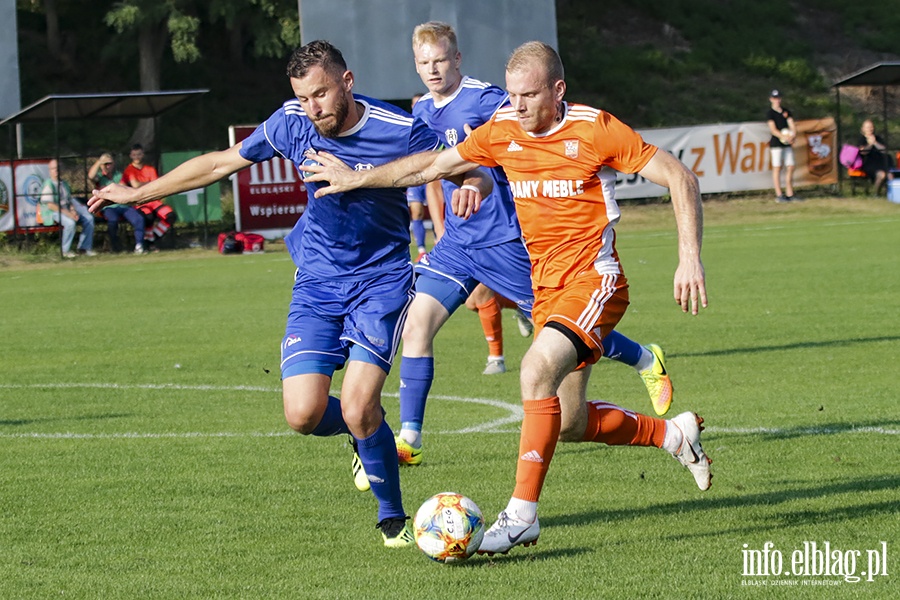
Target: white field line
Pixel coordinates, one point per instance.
(515, 414)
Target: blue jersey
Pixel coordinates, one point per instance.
(357, 234)
(472, 104)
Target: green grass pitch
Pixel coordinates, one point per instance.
(143, 451)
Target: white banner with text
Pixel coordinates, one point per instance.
(734, 157)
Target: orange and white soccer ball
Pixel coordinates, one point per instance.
(449, 527)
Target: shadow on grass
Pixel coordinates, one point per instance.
(782, 433)
(800, 518)
(523, 555)
(18, 422)
(767, 499)
(793, 346)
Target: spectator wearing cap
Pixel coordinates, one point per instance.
(783, 130)
(103, 173)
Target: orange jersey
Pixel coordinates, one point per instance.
(566, 205)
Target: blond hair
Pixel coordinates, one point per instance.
(543, 54)
(433, 32)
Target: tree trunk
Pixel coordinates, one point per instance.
(236, 42)
(54, 43)
(152, 40)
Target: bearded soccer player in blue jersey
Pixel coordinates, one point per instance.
(354, 280)
(485, 248)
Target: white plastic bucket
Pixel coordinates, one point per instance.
(893, 190)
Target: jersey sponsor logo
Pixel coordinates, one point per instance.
(552, 188)
(513, 147)
(363, 166)
(452, 137)
(532, 456)
(571, 148)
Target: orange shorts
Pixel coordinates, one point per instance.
(590, 306)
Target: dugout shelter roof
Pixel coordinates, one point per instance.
(882, 73)
(122, 105)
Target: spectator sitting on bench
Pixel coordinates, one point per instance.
(875, 161)
(58, 206)
(102, 173)
(139, 173)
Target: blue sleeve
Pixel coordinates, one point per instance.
(422, 138)
(263, 143)
(492, 98)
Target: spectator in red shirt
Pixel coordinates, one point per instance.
(158, 217)
(137, 173)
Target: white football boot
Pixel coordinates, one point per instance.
(691, 453)
(507, 532)
(495, 366)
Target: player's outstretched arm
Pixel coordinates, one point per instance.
(408, 171)
(690, 279)
(197, 172)
(337, 177)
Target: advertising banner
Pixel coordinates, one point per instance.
(194, 206)
(20, 193)
(268, 197)
(734, 157)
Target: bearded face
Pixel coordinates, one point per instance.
(325, 98)
(330, 124)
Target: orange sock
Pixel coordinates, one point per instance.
(540, 430)
(615, 426)
(505, 302)
(491, 323)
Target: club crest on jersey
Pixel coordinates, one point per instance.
(363, 166)
(571, 148)
(452, 136)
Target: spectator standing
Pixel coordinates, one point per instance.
(58, 206)
(784, 132)
(103, 173)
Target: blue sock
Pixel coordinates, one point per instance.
(619, 348)
(416, 375)
(332, 422)
(418, 229)
(378, 454)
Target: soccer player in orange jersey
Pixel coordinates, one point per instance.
(553, 153)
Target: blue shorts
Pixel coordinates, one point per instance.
(450, 272)
(330, 322)
(416, 194)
